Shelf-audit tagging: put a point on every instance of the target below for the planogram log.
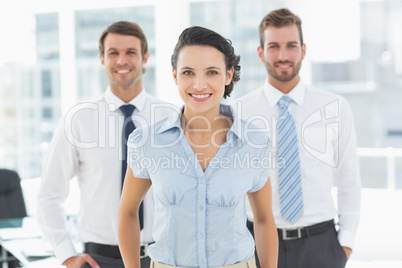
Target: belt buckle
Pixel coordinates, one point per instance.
(286, 237)
(143, 251)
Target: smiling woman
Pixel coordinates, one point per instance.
(199, 215)
(201, 77)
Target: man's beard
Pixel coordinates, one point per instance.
(284, 77)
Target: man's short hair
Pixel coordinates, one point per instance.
(278, 18)
(124, 28)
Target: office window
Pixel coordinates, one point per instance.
(29, 113)
(47, 113)
(28, 86)
(46, 84)
(373, 79)
(398, 173)
(47, 36)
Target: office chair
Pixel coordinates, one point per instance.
(12, 207)
(12, 203)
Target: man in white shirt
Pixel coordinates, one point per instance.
(89, 145)
(325, 152)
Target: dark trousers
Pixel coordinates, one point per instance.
(321, 250)
(106, 262)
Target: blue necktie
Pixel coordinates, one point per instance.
(290, 185)
(129, 127)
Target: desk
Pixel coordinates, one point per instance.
(30, 188)
(27, 245)
(20, 247)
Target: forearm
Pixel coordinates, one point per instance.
(60, 167)
(129, 239)
(134, 191)
(348, 180)
(53, 226)
(266, 240)
(52, 219)
(349, 196)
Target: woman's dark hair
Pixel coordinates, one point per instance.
(199, 36)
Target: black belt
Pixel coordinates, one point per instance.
(297, 233)
(111, 251)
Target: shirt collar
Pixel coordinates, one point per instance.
(173, 121)
(115, 102)
(273, 94)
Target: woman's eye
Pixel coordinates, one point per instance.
(187, 72)
(212, 72)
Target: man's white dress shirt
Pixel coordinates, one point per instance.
(87, 144)
(328, 154)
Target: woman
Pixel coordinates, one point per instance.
(201, 164)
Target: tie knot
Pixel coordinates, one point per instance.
(127, 109)
(284, 102)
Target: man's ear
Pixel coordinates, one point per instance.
(260, 52)
(303, 50)
(146, 56)
(102, 59)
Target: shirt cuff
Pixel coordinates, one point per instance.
(346, 238)
(65, 250)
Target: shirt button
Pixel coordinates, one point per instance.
(202, 262)
(201, 208)
(201, 235)
(202, 180)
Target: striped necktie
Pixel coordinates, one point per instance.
(290, 185)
